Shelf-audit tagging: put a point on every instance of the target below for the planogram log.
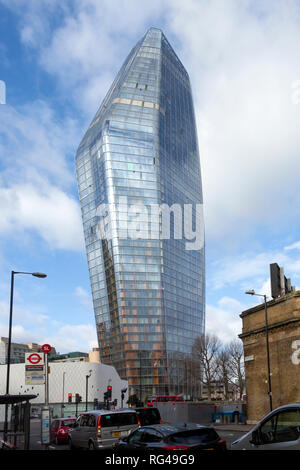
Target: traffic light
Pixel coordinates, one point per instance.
(105, 396)
(78, 398)
(109, 390)
(123, 391)
(69, 397)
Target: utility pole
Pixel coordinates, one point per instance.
(46, 419)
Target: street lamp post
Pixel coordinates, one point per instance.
(63, 395)
(87, 389)
(40, 275)
(252, 292)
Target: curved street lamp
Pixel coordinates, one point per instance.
(40, 275)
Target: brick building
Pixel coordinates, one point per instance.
(284, 347)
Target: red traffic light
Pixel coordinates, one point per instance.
(109, 387)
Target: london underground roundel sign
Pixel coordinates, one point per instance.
(35, 359)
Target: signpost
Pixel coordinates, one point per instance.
(45, 423)
(34, 368)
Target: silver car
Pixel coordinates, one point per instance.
(279, 430)
(102, 429)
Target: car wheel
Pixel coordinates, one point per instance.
(71, 446)
(91, 445)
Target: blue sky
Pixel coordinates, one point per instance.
(58, 60)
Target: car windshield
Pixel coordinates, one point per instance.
(197, 436)
(68, 422)
(119, 419)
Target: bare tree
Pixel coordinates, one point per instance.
(236, 365)
(205, 351)
(224, 372)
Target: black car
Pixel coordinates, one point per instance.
(148, 416)
(169, 437)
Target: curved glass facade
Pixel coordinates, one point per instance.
(139, 157)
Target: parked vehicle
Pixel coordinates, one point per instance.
(163, 399)
(148, 416)
(169, 437)
(59, 429)
(102, 429)
(279, 430)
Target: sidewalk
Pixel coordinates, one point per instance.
(233, 427)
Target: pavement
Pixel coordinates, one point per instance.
(244, 428)
(231, 432)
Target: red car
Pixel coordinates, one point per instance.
(59, 430)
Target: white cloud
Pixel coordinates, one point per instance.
(66, 338)
(265, 289)
(293, 246)
(37, 179)
(242, 63)
(251, 269)
(22, 315)
(243, 268)
(90, 42)
(70, 338)
(37, 145)
(223, 319)
(46, 210)
(22, 335)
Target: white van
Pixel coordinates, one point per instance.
(102, 429)
(279, 430)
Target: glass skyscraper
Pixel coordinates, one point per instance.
(141, 152)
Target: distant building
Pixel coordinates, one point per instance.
(66, 379)
(284, 346)
(218, 392)
(70, 357)
(92, 356)
(18, 350)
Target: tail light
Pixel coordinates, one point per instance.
(99, 427)
(222, 443)
(139, 422)
(175, 448)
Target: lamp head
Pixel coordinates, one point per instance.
(250, 292)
